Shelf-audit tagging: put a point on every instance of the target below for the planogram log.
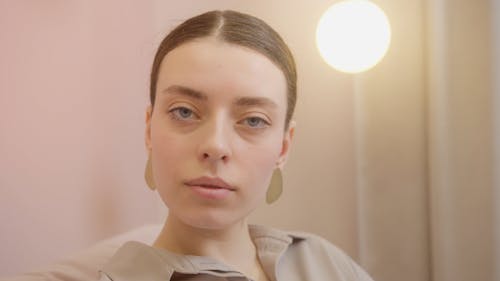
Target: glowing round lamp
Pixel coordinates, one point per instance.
(353, 35)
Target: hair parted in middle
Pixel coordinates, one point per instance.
(235, 28)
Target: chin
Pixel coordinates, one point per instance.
(214, 221)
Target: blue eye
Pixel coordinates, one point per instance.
(182, 113)
(256, 122)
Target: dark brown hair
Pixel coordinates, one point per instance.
(235, 28)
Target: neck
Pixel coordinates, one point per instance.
(232, 245)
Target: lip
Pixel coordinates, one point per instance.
(209, 182)
(210, 188)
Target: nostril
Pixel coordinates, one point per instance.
(208, 156)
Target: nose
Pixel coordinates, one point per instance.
(215, 142)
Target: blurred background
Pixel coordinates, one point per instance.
(396, 165)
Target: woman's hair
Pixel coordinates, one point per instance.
(235, 28)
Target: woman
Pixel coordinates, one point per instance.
(218, 131)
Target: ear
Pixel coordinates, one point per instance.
(147, 136)
(286, 144)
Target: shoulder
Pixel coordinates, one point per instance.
(296, 239)
(318, 244)
(147, 263)
(319, 257)
(308, 243)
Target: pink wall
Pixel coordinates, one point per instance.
(73, 89)
(72, 97)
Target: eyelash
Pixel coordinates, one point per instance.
(175, 113)
(262, 122)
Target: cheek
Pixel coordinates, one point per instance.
(259, 164)
(165, 140)
(167, 150)
(168, 155)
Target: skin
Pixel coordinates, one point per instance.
(219, 113)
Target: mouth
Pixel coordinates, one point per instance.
(210, 183)
(208, 188)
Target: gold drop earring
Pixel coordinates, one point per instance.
(148, 174)
(275, 187)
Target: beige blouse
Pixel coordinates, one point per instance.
(287, 256)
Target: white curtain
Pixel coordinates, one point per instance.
(425, 147)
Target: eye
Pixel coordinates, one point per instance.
(182, 113)
(255, 122)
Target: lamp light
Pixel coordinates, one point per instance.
(353, 35)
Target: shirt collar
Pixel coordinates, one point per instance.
(154, 264)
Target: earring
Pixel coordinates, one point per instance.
(275, 187)
(148, 174)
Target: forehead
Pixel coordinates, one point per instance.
(222, 70)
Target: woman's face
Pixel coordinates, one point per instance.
(217, 131)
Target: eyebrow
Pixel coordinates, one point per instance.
(255, 101)
(185, 91)
(240, 102)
